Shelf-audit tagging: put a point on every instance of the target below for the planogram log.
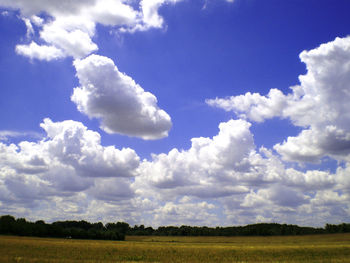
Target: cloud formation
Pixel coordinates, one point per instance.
(206, 165)
(67, 160)
(227, 173)
(319, 105)
(121, 104)
(42, 52)
(68, 27)
(6, 134)
(221, 180)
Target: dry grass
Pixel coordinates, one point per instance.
(320, 248)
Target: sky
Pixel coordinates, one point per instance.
(175, 112)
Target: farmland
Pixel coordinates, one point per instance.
(315, 248)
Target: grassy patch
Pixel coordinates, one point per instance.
(319, 248)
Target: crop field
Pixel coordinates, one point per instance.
(316, 248)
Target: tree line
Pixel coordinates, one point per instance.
(9, 225)
(62, 229)
(261, 229)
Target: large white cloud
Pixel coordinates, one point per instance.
(68, 160)
(67, 174)
(226, 179)
(205, 168)
(72, 143)
(319, 105)
(71, 24)
(121, 104)
(221, 180)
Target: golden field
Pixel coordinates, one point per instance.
(315, 248)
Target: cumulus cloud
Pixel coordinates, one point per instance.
(319, 105)
(67, 30)
(221, 180)
(71, 24)
(70, 159)
(75, 42)
(112, 189)
(106, 93)
(186, 211)
(68, 174)
(51, 6)
(41, 52)
(121, 104)
(150, 15)
(253, 106)
(227, 164)
(72, 143)
(226, 173)
(205, 168)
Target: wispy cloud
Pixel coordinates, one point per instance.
(6, 134)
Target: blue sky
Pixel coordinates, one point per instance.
(175, 111)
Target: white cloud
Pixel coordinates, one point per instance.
(30, 30)
(76, 43)
(71, 143)
(34, 7)
(187, 213)
(6, 134)
(38, 21)
(205, 169)
(314, 143)
(121, 104)
(151, 17)
(113, 13)
(65, 175)
(319, 105)
(112, 189)
(43, 52)
(246, 186)
(223, 166)
(69, 32)
(150, 12)
(72, 24)
(253, 106)
(70, 159)
(218, 181)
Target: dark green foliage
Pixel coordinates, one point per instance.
(342, 228)
(64, 229)
(117, 231)
(263, 229)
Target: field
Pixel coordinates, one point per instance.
(317, 248)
